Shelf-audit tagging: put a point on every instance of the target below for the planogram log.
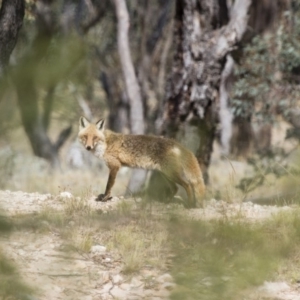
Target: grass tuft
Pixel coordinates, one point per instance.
(139, 247)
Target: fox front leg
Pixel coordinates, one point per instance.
(113, 170)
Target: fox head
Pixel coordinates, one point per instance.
(92, 136)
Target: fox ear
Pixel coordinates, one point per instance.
(100, 124)
(83, 123)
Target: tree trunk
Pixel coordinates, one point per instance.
(11, 19)
(117, 102)
(131, 83)
(225, 113)
(137, 123)
(36, 118)
(205, 32)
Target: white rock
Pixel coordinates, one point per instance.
(104, 276)
(66, 195)
(98, 249)
(136, 282)
(107, 287)
(117, 278)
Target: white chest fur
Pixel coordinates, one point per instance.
(99, 150)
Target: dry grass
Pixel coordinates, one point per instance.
(139, 247)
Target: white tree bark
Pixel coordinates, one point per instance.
(232, 33)
(229, 36)
(225, 113)
(131, 83)
(138, 176)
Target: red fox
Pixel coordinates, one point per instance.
(177, 163)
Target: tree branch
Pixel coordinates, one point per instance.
(232, 33)
(64, 134)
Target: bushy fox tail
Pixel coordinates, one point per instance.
(197, 183)
(199, 190)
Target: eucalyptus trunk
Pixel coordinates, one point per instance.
(205, 32)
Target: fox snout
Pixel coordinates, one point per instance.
(88, 148)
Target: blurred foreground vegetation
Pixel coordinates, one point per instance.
(12, 285)
(221, 259)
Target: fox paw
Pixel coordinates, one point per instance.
(103, 198)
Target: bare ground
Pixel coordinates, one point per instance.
(97, 274)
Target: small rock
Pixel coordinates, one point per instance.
(104, 276)
(136, 282)
(107, 287)
(117, 278)
(66, 195)
(98, 249)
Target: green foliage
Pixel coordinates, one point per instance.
(290, 52)
(272, 163)
(221, 258)
(266, 75)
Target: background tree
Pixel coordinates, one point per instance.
(137, 122)
(44, 64)
(67, 63)
(205, 32)
(11, 20)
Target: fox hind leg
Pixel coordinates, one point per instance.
(171, 187)
(191, 200)
(177, 178)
